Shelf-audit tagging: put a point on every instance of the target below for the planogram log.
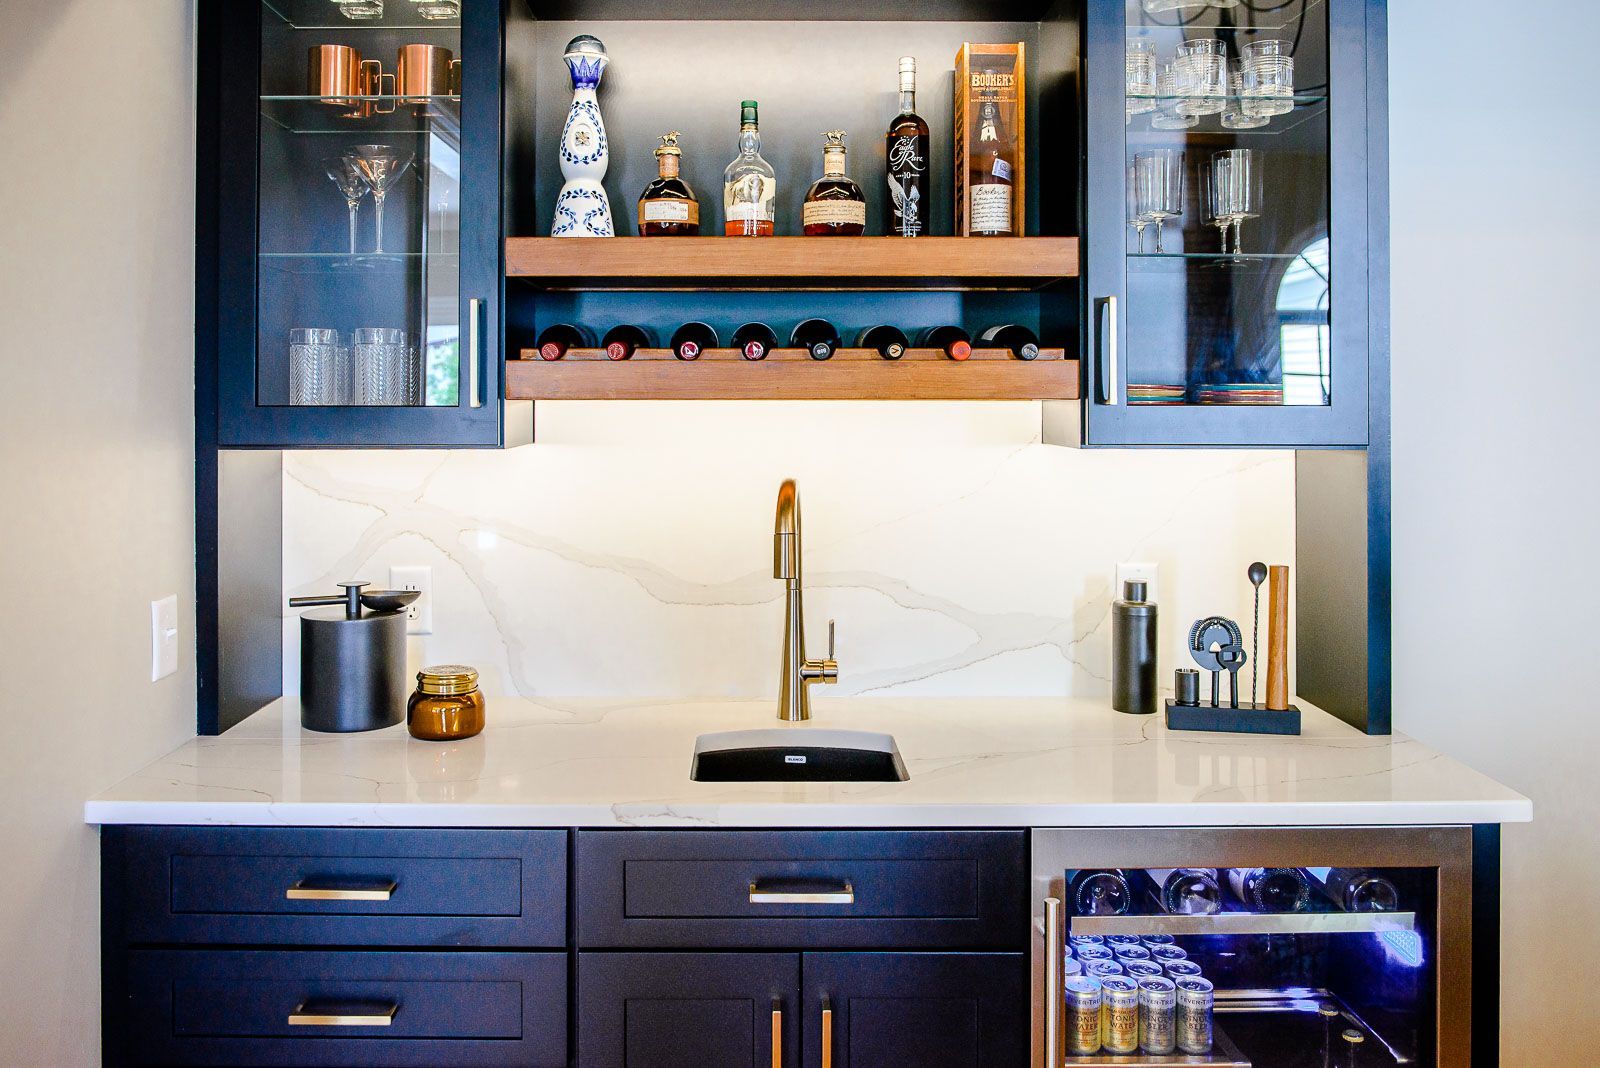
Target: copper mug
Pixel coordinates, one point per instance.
(423, 70)
(339, 75)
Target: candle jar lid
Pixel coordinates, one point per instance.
(447, 679)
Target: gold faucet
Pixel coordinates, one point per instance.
(796, 674)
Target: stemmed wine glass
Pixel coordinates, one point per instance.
(347, 176)
(380, 167)
(1158, 183)
(1236, 179)
(1213, 210)
(1136, 216)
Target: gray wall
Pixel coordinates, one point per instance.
(1496, 151)
(96, 467)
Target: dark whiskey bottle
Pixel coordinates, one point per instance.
(989, 177)
(555, 340)
(818, 337)
(755, 340)
(1022, 342)
(835, 206)
(690, 340)
(955, 342)
(890, 342)
(621, 342)
(906, 155)
(668, 207)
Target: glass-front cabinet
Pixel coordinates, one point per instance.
(1226, 288)
(358, 222)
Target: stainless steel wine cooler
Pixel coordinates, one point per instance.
(1268, 948)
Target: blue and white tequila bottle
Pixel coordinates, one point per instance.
(582, 209)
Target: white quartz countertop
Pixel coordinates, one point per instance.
(1023, 762)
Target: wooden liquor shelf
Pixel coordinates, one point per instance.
(791, 374)
(934, 263)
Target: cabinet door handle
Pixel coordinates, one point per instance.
(309, 1014)
(827, 1033)
(474, 352)
(1110, 369)
(845, 895)
(378, 891)
(1054, 993)
(777, 1033)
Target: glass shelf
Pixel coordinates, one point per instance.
(1248, 923)
(394, 263)
(1220, 258)
(1250, 16)
(325, 15)
(318, 115)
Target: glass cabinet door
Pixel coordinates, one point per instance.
(1227, 222)
(369, 326)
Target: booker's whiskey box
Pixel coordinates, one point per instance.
(990, 74)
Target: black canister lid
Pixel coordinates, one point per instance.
(1134, 590)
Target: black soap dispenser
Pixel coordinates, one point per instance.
(1133, 651)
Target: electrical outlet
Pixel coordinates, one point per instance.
(1138, 572)
(419, 614)
(163, 637)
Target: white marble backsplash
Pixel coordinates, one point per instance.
(629, 553)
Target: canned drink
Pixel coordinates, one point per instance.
(1086, 940)
(1083, 1016)
(1101, 968)
(1123, 940)
(1152, 940)
(1141, 969)
(1196, 999)
(1158, 1006)
(1119, 1014)
(1127, 953)
(1166, 953)
(1089, 953)
(1181, 969)
(1071, 966)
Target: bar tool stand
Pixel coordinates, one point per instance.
(1217, 645)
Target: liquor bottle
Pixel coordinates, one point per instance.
(668, 207)
(621, 342)
(989, 177)
(906, 151)
(1185, 891)
(1356, 890)
(1270, 889)
(690, 340)
(555, 340)
(1023, 343)
(749, 186)
(816, 336)
(1099, 892)
(755, 340)
(835, 206)
(889, 341)
(956, 342)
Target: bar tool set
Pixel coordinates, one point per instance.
(1216, 644)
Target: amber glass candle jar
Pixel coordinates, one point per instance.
(447, 704)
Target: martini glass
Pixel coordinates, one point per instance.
(380, 167)
(347, 177)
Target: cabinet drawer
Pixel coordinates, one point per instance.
(348, 886)
(311, 1007)
(799, 889)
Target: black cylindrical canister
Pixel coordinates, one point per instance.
(352, 671)
(1186, 686)
(1133, 651)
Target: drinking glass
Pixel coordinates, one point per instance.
(1239, 188)
(316, 369)
(380, 167)
(1158, 177)
(378, 365)
(1136, 216)
(1236, 113)
(361, 10)
(1141, 76)
(1267, 72)
(1168, 115)
(1213, 211)
(347, 177)
(1202, 76)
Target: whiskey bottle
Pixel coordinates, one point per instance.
(889, 341)
(1270, 889)
(1099, 892)
(835, 206)
(955, 342)
(906, 153)
(1356, 890)
(816, 336)
(555, 340)
(690, 340)
(989, 177)
(1019, 340)
(755, 340)
(749, 185)
(621, 342)
(668, 207)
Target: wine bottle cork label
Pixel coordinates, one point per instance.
(754, 350)
(551, 351)
(834, 212)
(990, 207)
(689, 350)
(669, 211)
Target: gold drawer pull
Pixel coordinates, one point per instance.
(374, 892)
(846, 895)
(377, 1016)
(827, 1032)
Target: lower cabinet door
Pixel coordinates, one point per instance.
(932, 1010)
(688, 1010)
(316, 1007)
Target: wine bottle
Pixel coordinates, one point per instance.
(621, 342)
(816, 336)
(1023, 343)
(555, 340)
(1356, 890)
(755, 340)
(1270, 889)
(1099, 892)
(954, 341)
(890, 342)
(1186, 891)
(690, 340)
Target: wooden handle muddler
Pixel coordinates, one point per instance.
(1277, 637)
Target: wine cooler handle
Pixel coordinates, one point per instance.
(777, 1033)
(1106, 347)
(1054, 994)
(474, 352)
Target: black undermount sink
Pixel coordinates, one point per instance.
(797, 754)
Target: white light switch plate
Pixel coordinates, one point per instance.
(1139, 572)
(419, 616)
(163, 637)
